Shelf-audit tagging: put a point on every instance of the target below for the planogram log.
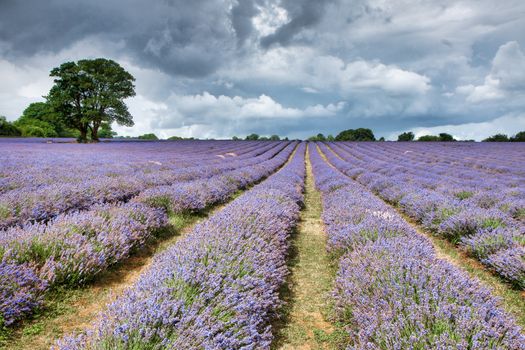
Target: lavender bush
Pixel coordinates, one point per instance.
(218, 287)
(463, 200)
(72, 248)
(25, 204)
(391, 291)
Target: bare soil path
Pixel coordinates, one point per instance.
(304, 323)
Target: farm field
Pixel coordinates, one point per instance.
(262, 245)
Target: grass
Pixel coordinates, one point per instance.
(303, 323)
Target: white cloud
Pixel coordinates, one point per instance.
(302, 66)
(389, 78)
(507, 76)
(20, 86)
(508, 124)
(269, 18)
(206, 108)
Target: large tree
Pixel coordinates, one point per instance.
(360, 134)
(406, 136)
(89, 93)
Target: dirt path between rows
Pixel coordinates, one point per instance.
(304, 324)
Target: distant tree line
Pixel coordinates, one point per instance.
(442, 137)
(256, 137)
(519, 137)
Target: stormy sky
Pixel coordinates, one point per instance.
(218, 68)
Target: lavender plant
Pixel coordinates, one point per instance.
(391, 291)
(218, 287)
(464, 201)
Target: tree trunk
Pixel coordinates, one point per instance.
(94, 132)
(83, 135)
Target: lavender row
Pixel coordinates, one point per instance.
(432, 172)
(471, 160)
(75, 247)
(218, 287)
(70, 250)
(28, 204)
(391, 291)
(196, 195)
(472, 189)
(37, 165)
(494, 236)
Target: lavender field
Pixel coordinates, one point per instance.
(233, 272)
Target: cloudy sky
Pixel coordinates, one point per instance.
(217, 68)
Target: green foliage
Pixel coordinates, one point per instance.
(252, 137)
(179, 138)
(464, 194)
(7, 128)
(330, 138)
(444, 137)
(381, 139)
(35, 128)
(519, 137)
(263, 138)
(318, 137)
(429, 138)
(361, 134)
(41, 120)
(406, 136)
(89, 93)
(34, 329)
(275, 138)
(497, 138)
(235, 138)
(151, 136)
(106, 132)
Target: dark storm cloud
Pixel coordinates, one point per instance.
(303, 14)
(191, 38)
(242, 15)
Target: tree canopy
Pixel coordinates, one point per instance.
(151, 136)
(406, 136)
(497, 138)
(39, 119)
(7, 128)
(361, 134)
(89, 93)
(519, 137)
(446, 137)
(443, 137)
